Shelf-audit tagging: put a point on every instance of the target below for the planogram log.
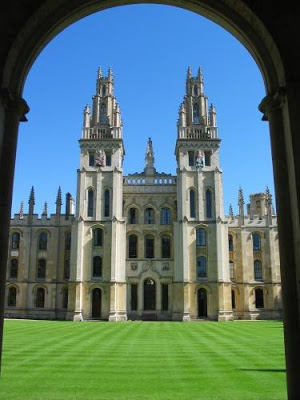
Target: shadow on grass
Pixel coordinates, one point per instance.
(263, 369)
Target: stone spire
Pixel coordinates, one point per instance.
(31, 202)
(58, 201)
(231, 212)
(45, 210)
(189, 73)
(110, 74)
(149, 159)
(99, 74)
(241, 203)
(21, 215)
(268, 198)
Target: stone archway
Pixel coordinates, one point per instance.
(268, 39)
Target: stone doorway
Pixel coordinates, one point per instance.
(202, 303)
(96, 303)
(149, 295)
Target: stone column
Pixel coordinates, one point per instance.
(12, 111)
(281, 109)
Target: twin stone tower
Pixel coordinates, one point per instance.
(149, 245)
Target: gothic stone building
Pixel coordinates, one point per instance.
(148, 245)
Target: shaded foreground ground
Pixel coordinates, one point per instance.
(46, 360)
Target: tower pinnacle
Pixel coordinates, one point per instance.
(58, 201)
(31, 201)
(149, 158)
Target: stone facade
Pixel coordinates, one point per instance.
(148, 245)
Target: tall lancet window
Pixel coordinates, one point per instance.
(104, 91)
(196, 116)
(103, 116)
(208, 199)
(192, 204)
(106, 203)
(90, 210)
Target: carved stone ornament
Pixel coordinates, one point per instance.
(134, 266)
(12, 101)
(148, 265)
(100, 158)
(272, 102)
(165, 266)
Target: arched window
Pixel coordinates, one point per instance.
(192, 203)
(257, 270)
(106, 203)
(256, 242)
(149, 246)
(90, 210)
(97, 267)
(201, 267)
(41, 268)
(259, 298)
(132, 216)
(165, 246)
(103, 90)
(15, 240)
(165, 216)
(12, 297)
(230, 242)
(231, 270)
(97, 237)
(65, 294)
(43, 239)
(67, 269)
(14, 263)
(196, 116)
(103, 116)
(68, 241)
(40, 298)
(149, 216)
(133, 246)
(233, 305)
(195, 90)
(201, 237)
(208, 198)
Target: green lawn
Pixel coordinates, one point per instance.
(46, 360)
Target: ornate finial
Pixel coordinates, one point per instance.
(241, 197)
(268, 196)
(149, 158)
(99, 73)
(58, 197)
(231, 212)
(182, 107)
(110, 73)
(22, 210)
(200, 74)
(31, 201)
(87, 109)
(45, 210)
(31, 196)
(189, 72)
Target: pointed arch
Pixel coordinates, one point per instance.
(15, 240)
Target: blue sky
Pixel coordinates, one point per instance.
(149, 48)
